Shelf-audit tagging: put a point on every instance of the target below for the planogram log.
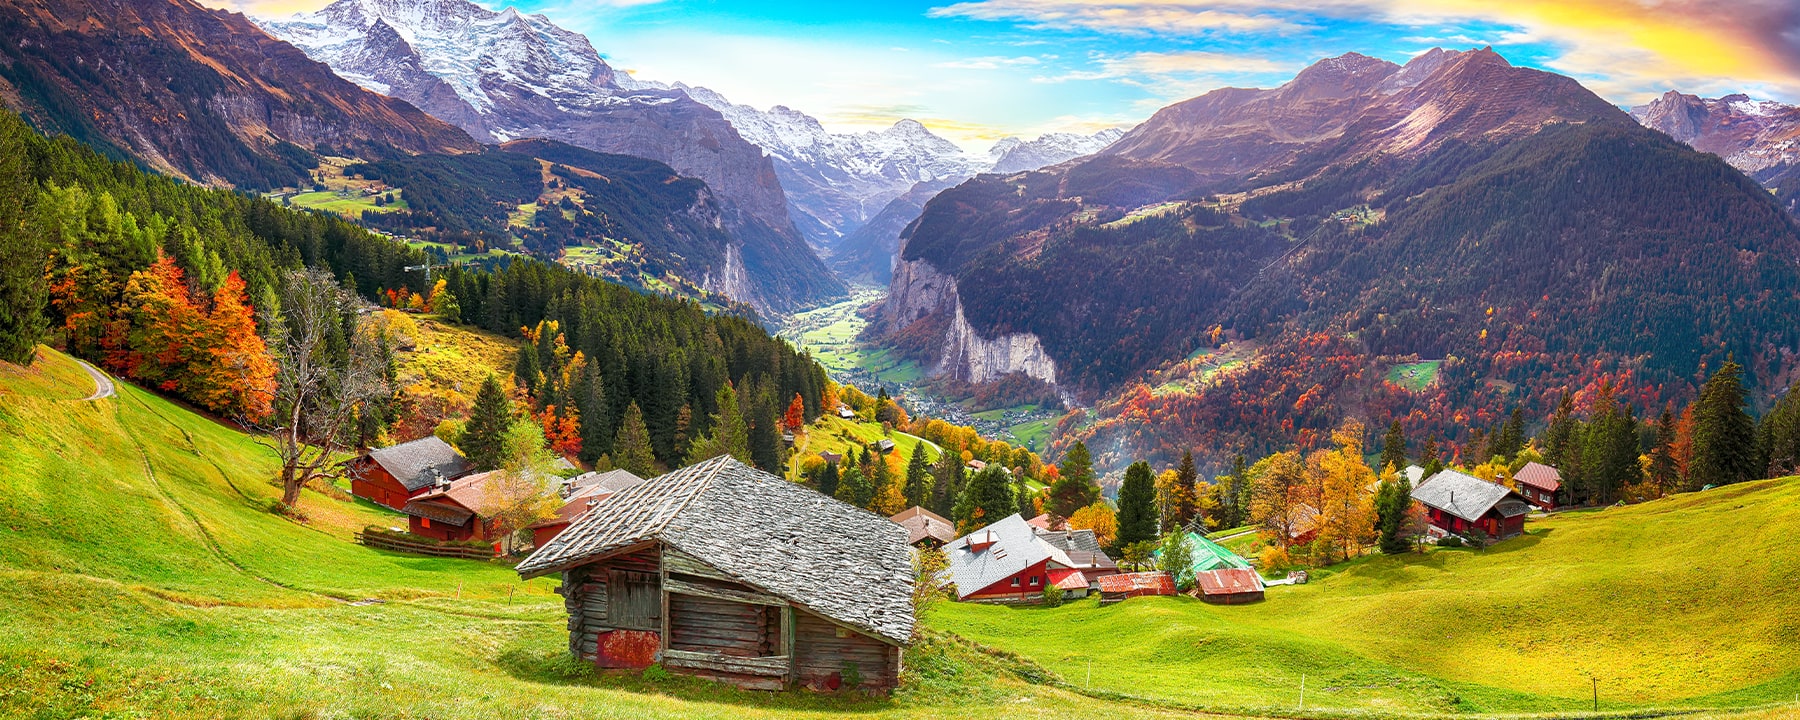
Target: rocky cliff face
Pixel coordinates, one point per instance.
(1759, 137)
(921, 294)
(200, 94)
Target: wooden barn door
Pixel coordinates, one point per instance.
(634, 602)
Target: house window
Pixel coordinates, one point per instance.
(1034, 579)
(1015, 582)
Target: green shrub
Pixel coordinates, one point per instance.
(852, 676)
(1053, 596)
(656, 673)
(1450, 541)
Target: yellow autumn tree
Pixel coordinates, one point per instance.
(1278, 486)
(1099, 518)
(1497, 473)
(1346, 519)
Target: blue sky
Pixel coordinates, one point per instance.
(978, 70)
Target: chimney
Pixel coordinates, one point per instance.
(983, 541)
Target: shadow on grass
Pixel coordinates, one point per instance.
(552, 667)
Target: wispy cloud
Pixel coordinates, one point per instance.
(990, 62)
(1175, 75)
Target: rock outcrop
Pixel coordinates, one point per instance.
(920, 295)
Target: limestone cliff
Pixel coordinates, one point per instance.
(920, 296)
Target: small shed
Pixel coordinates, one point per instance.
(1229, 586)
(396, 474)
(722, 571)
(846, 413)
(1124, 586)
(1539, 483)
(1458, 503)
(925, 528)
(884, 446)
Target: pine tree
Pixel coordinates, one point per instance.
(1779, 436)
(1665, 474)
(1137, 505)
(1560, 435)
(590, 402)
(730, 430)
(1187, 477)
(1724, 436)
(631, 449)
(483, 436)
(1393, 500)
(828, 479)
(946, 482)
(988, 498)
(1022, 494)
(1076, 488)
(1428, 457)
(1511, 438)
(23, 292)
(1393, 450)
(854, 487)
(918, 478)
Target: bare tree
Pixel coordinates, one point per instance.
(329, 364)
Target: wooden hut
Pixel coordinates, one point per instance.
(1229, 586)
(722, 571)
(394, 475)
(1124, 586)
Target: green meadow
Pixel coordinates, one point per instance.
(142, 575)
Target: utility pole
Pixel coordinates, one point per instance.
(427, 267)
(1596, 692)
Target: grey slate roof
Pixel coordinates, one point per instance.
(420, 463)
(839, 561)
(610, 481)
(1466, 496)
(1015, 547)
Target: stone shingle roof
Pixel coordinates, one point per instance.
(1465, 496)
(422, 462)
(839, 561)
(921, 523)
(610, 481)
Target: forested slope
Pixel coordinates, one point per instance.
(94, 226)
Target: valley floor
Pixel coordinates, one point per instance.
(142, 575)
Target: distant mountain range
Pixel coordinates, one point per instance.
(1457, 207)
(200, 94)
(1759, 137)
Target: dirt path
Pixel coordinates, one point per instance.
(103, 385)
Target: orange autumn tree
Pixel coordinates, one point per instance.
(562, 429)
(232, 373)
(216, 360)
(795, 418)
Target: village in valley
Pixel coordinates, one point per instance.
(726, 572)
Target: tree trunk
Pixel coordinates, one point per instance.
(290, 483)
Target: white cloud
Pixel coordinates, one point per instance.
(990, 62)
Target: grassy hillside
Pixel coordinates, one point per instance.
(1690, 601)
(142, 576)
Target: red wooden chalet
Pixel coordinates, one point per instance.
(1460, 504)
(393, 475)
(581, 494)
(1539, 483)
(1011, 561)
(1230, 586)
